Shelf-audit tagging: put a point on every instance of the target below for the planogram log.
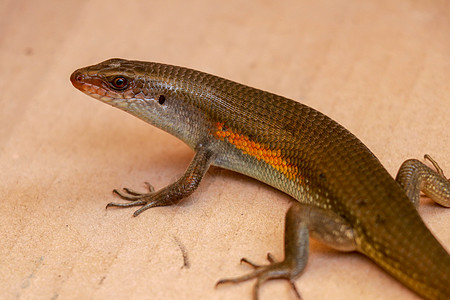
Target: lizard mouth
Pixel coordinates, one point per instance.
(91, 85)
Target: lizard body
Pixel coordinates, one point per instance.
(345, 197)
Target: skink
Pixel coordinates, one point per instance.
(344, 196)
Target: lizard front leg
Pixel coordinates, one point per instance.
(172, 193)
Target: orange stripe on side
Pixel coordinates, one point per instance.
(259, 151)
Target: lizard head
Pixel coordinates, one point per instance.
(153, 92)
(107, 81)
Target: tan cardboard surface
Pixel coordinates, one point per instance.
(380, 68)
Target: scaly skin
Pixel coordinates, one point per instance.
(293, 148)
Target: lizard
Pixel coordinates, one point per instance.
(343, 195)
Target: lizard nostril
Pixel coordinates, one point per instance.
(77, 79)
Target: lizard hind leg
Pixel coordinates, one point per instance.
(301, 222)
(296, 256)
(414, 176)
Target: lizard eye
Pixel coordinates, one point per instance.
(119, 83)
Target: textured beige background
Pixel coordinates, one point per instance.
(380, 68)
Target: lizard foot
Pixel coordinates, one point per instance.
(274, 270)
(172, 193)
(146, 200)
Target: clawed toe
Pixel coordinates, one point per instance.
(436, 166)
(130, 194)
(270, 258)
(130, 204)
